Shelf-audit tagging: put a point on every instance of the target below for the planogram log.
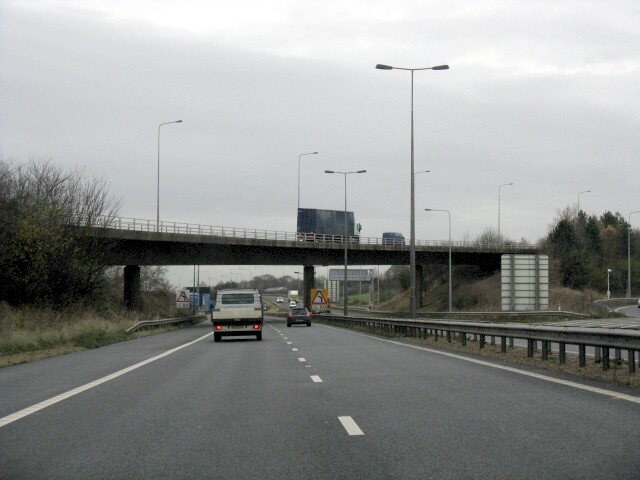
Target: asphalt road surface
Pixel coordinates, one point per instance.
(305, 403)
(632, 311)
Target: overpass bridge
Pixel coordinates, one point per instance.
(136, 242)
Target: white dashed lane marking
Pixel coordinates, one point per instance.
(294, 349)
(300, 359)
(316, 379)
(350, 426)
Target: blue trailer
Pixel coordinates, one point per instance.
(326, 225)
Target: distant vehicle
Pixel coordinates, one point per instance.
(293, 304)
(237, 312)
(298, 315)
(392, 238)
(327, 226)
(279, 300)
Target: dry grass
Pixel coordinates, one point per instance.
(30, 333)
(483, 295)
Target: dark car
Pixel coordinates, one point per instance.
(392, 238)
(298, 315)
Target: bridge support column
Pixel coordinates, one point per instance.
(309, 282)
(419, 282)
(132, 299)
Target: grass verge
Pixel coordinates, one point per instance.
(30, 333)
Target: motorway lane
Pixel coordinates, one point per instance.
(246, 409)
(632, 311)
(28, 383)
(444, 418)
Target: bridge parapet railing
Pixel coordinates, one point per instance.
(146, 225)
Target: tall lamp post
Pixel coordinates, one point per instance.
(239, 275)
(346, 236)
(450, 284)
(608, 289)
(247, 270)
(299, 156)
(158, 189)
(412, 243)
(629, 255)
(499, 200)
(580, 193)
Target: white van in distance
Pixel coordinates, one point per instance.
(237, 312)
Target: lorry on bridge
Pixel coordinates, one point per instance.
(317, 225)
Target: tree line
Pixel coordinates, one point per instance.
(42, 259)
(583, 247)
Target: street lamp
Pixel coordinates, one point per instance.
(237, 273)
(499, 199)
(246, 270)
(345, 239)
(608, 290)
(412, 243)
(629, 255)
(158, 189)
(579, 193)
(310, 153)
(450, 284)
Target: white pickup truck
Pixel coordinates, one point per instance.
(237, 312)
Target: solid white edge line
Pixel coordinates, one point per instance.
(316, 379)
(568, 383)
(63, 396)
(350, 426)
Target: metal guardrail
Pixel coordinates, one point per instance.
(542, 314)
(164, 321)
(143, 225)
(601, 339)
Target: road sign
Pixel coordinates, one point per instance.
(183, 300)
(319, 301)
(353, 274)
(319, 298)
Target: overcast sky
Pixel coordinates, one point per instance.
(543, 94)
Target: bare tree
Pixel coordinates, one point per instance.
(42, 257)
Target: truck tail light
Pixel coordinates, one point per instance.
(218, 327)
(256, 327)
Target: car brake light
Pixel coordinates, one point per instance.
(290, 315)
(218, 327)
(308, 314)
(256, 327)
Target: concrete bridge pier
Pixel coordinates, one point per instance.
(309, 282)
(132, 299)
(419, 282)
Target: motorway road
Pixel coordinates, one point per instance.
(305, 403)
(632, 311)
